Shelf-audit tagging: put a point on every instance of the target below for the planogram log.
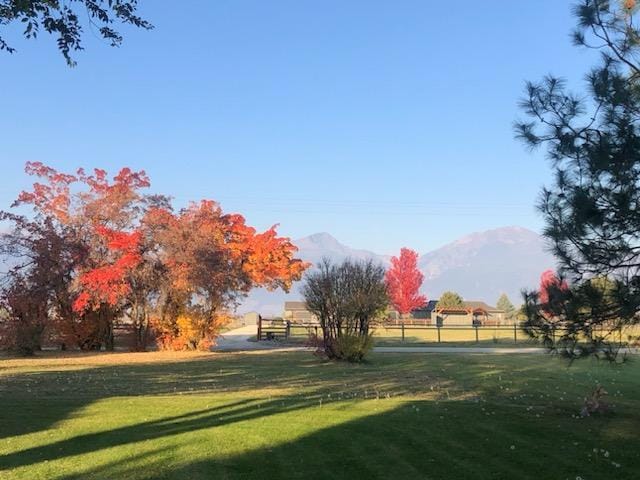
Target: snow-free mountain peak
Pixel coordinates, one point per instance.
(479, 266)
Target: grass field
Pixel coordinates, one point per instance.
(494, 337)
(291, 415)
(419, 336)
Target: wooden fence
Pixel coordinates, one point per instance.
(403, 333)
(276, 329)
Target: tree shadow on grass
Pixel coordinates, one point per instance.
(35, 400)
(422, 439)
(59, 393)
(226, 414)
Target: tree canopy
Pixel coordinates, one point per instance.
(505, 304)
(404, 281)
(592, 209)
(98, 250)
(450, 299)
(63, 19)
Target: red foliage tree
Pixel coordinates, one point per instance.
(109, 282)
(552, 291)
(404, 281)
(101, 215)
(107, 252)
(549, 281)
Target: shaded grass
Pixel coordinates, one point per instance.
(290, 415)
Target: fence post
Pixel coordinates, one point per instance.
(259, 327)
(515, 333)
(316, 330)
(402, 327)
(476, 327)
(287, 332)
(438, 327)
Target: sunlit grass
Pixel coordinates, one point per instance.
(416, 335)
(291, 415)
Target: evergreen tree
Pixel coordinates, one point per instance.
(592, 210)
(505, 304)
(450, 300)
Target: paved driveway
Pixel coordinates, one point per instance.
(240, 339)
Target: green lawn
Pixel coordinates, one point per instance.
(291, 415)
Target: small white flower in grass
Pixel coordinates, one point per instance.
(513, 447)
(606, 454)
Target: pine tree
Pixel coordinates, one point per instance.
(592, 210)
(505, 304)
(450, 300)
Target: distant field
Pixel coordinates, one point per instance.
(291, 415)
(466, 336)
(503, 336)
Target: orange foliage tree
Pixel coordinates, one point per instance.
(124, 256)
(212, 260)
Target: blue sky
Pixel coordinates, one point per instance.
(387, 124)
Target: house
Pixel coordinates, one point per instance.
(471, 313)
(250, 318)
(296, 312)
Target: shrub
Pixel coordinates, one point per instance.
(24, 318)
(346, 298)
(353, 348)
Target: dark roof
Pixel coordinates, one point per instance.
(429, 307)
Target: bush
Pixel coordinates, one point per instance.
(346, 298)
(23, 318)
(353, 348)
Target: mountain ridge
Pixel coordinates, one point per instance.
(480, 266)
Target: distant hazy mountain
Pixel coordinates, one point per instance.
(310, 249)
(479, 266)
(318, 245)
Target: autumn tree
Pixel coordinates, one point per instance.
(346, 298)
(552, 291)
(65, 20)
(24, 303)
(562, 316)
(404, 281)
(591, 210)
(213, 260)
(98, 251)
(99, 216)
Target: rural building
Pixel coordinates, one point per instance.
(250, 318)
(296, 312)
(471, 313)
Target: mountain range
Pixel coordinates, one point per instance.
(479, 266)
